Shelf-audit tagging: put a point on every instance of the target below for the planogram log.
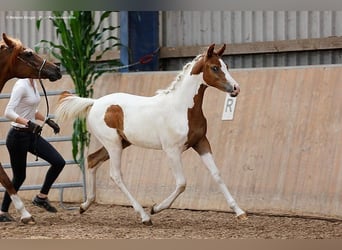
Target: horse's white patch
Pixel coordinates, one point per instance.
(229, 78)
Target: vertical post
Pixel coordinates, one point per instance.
(139, 33)
(124, 54)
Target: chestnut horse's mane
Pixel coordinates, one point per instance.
(17, 46)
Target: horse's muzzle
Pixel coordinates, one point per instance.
(235, 91)
(55, 75)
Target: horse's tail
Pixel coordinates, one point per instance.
(71, 106)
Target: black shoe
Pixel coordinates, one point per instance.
(5, 217)
(44, 203)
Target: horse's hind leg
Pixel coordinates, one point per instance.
(116, 175)
(177, 171)
(203, 149)
(94, 161)
(98, 157)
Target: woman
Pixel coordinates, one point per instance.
(23, 137)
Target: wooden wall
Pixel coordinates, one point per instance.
(281, 154)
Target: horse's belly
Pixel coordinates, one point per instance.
(156, 134)
(146, 142)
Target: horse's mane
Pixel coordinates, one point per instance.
(178, 79)
(17, 46)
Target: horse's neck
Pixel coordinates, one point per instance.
(4, 73)
(2, 83)
(185, 93)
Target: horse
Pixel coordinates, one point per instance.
(18, 61)
(172, 120)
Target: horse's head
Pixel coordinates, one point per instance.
(25, 63)
(215, 71)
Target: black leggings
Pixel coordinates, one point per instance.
(19, 143)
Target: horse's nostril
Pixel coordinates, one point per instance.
(237, 88)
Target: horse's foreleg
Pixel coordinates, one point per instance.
(6, 182)
(25, 216)
(177, 171)
(116, 175)
(203, 149)
(210, 164)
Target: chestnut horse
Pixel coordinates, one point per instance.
(172, 121)
(20, 62)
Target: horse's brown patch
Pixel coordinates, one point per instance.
(97, 157)
(197, 122)
(114, 118)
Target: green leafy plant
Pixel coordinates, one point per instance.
(79, 40)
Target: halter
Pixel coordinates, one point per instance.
(40, 81)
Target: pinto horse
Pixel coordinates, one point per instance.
(172, 121)
(20, 62)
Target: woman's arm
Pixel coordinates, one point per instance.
(22, 121)
(39, 116)
(15, 98)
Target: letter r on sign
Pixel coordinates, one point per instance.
(229, 108)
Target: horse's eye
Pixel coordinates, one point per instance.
(215, 68)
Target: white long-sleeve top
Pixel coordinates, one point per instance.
(23, 102)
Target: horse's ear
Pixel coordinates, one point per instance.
(210, 50)
(7, 40)
(220, 52)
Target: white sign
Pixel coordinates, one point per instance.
(229, 108)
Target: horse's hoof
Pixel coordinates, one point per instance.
(242, 217)
(82, 210)
(152, 209)
(28, 221)
(148, 223)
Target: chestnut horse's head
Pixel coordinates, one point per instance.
(215, 71)
(18, 61)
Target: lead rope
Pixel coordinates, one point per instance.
(47, 107)
(41, 84)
